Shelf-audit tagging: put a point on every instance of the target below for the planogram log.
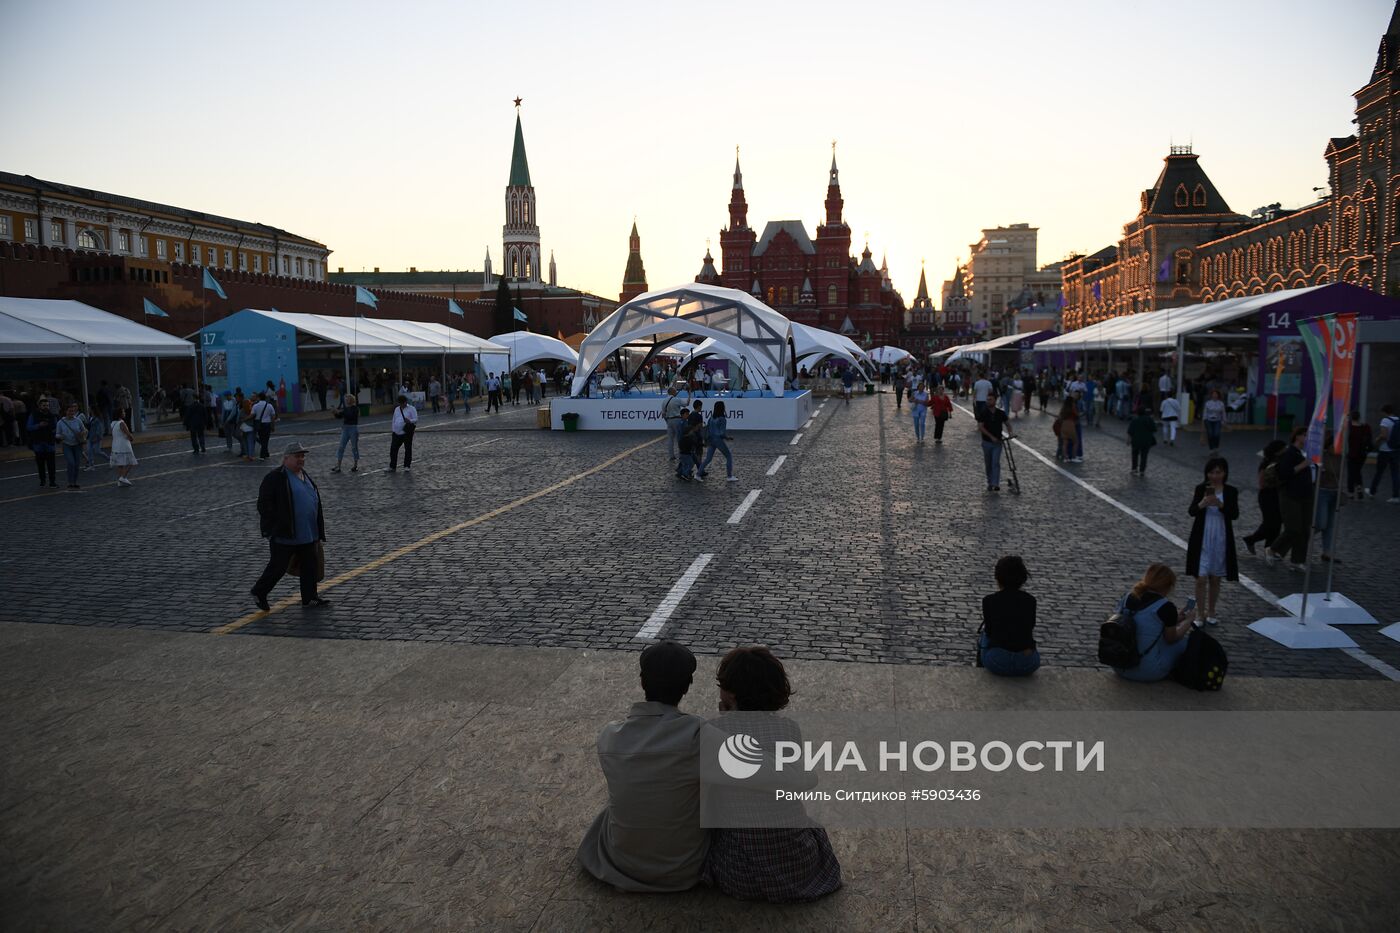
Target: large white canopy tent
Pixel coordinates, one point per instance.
(813, 344)
(60, 328)
(361, 336)
(524, 347)
(658, 319)
(882, 355)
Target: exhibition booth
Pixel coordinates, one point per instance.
(71, 346)
(252, 347)
(733, 323)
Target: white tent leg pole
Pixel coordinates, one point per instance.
(1181, 375)
(346, 390)
(82, 370)
(400, 385)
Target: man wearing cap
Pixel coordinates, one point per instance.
(648, 837)
(290, 517)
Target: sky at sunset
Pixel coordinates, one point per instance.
(384, 130)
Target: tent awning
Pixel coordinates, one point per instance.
(1159, 330)
(59, 327)
(366, 337)
(525, 347)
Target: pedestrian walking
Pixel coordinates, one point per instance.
(1171, 417)
(72, 435)
(1142, 435)
(1271, 522)
(1210, 552)
(848, 382)
(401, 431)
(493, 393)
(349, 416)
(689, 444)
(918, 403)
(264, 417)
(123, 454)
(942, 407)
(195, 421)
(123, 400)
(673, 413)
(229, 416)
(715, 430)
(899, 387)
(991, 425)
(97, 429)
(291, 518)
(1213, 421)
(1358, 446)
(434, 392)
(1018, 396)
(1295, 503)
(1388, 454)
(1066, 428)
(1325, 518)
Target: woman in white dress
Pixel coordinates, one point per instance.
(1210, 553)
(123, 456)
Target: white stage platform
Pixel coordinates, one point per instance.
(644, 413)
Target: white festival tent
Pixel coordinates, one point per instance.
(724, 350)
(882, 355)
(813, 344)
(664, 317)
(361, 336)
(60, 328)
(525, 347)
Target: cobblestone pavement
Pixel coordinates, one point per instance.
(859, 546)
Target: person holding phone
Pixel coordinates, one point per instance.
(1210, 553)
(1161, 630)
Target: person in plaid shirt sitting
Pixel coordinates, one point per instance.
(791, 863)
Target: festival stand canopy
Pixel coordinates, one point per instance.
(1004, 342)
(813, 344)
(361, 336)
(662, 318)
(44, 327)
(712, 347)
(525, 347)
(1160, 330)
(884, 355)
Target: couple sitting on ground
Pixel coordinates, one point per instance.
(649, 836)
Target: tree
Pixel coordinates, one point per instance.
(503, 316)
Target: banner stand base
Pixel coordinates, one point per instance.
(1391, 631)
(1339, 610)
(1302, 635)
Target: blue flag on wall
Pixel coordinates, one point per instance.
(1098, 292)
(364, 296)
(150, 308)
(455, 308)
(1164, 271)
(520, 315)
(213, 286)
(1060, 301)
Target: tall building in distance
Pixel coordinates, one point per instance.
(816, 282)
(521, 233)
(634, 277)
(1187, 246)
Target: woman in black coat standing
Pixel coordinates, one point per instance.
(1272, 521)
(1210, 554)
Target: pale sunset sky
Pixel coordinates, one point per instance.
(384, 129)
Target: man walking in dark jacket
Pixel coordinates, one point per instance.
(196, 422)
(290, 517)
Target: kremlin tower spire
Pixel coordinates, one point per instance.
(521, 232)
(736, 241)
(833, 246)
(634, 278)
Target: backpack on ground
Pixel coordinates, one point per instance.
(1202, 666)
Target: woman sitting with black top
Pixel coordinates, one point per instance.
(1007, 644)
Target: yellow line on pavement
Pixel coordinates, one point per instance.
(423, 542)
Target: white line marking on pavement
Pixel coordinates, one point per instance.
(795, 440)
(668, 604)
(809, 423)
(1252, 585)
(744, 507)
(216, 508)
(776, 464)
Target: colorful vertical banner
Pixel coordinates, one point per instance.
(1317, 337)
(1343, 364)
